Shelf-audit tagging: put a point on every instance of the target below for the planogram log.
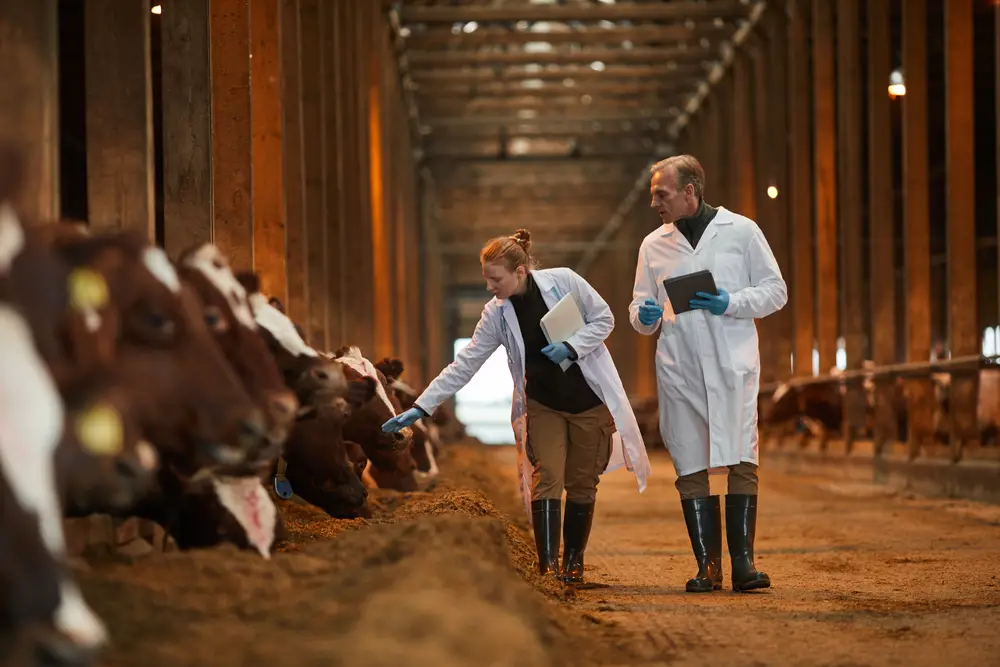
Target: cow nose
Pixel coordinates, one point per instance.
(282, 405)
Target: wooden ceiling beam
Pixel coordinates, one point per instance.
(436, 38)
(438, 90)
(612, 73)
(664, 11)
(537, 248)
(440, 59)
(552, 114)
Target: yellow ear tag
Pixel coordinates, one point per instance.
(88, 291)
(100, 431)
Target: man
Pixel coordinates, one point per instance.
(708, 361)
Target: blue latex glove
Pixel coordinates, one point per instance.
(557, 352)
(649, 312)
(399, 422)
(713, 303)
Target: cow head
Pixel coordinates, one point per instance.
(365, 423)
(229, 318)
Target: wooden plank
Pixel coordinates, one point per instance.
(647, 34)
(380, 225)
(682, 10)
(231, 131)
(881, 212)
(462, 58)
(364, 302)
(963, 329)
(916, 219)
(334, 135)
(825, 180)
(313, 128)
(119, 103)
(744, 169)
(296, 237)
(268, 188)
(29, 100)
(187, 126)
(850, 171)
(803, 295)
(763, 164)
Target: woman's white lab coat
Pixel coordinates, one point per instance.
(498, 326)
(708, 366)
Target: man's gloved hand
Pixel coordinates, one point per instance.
(400, 422)
(649, 312)
(713, 303)
(556, 352)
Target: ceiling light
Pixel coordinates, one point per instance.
(157, 9)
(897, 85)
(569, 83)
(470, 27)
(586, 99)
(597, 66)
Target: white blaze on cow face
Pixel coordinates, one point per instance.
(355, 360)
(31, 425)
(11, 237)
(157, 262)
(279, 326)
(210, 262)
(247, 500)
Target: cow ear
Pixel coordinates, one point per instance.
(384, 366)
(341, 351)
(249, 280)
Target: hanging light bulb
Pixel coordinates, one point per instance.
(157, 9)
(772, 192)
(897, 86)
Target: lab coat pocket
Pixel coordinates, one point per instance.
(741, 339)
(668, 362)
(730, 271)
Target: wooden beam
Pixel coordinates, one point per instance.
(850, 171)
(231, 131)
(119, 102)
(563, 114)
(443, 90)
(29, 100)
(269, 253)
(437, 38)
(296, 237)
(314, 128)
(443, 59)
(881, 215)
(618, 73)
(679, 10)
(355, 244)
(803, 296)
(187, 125)
(916, 218)
(333, 18)
(964, 337)
(825, 180)
(380, 222)
(744, 176)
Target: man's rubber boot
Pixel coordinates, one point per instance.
(545, 520)
(576, 531)
(741, 525)
(704, 523)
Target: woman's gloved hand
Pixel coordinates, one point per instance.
(649, 312)
(399, 422)
(557, 352)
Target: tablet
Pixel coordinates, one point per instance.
(681, 289)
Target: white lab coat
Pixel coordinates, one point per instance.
(708, 366)
(498, 326)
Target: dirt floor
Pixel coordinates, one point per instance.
(445, 578)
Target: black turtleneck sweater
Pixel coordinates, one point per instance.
(544, 381)
(694, 226)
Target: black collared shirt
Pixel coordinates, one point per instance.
(544, 381)
(693, 227)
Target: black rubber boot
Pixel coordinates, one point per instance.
(704, 523)
(741, 525)
(576, 531)
(545, 519)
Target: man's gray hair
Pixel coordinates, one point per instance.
(689, 171)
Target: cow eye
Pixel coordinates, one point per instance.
(215, 320)
(154, 326)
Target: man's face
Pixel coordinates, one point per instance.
(670, 201)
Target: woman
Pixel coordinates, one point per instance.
(570, 427)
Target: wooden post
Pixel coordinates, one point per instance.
(296, 238)
(381, 274)
(803, 296)
(313, 128)
(332, 16)
(963, 327)
(882, 246)
(825, 181)
(850, 172)
(916, 219)
(29, 100)
(269, 259)
(231, 131)
(187, 125)
(119, 101)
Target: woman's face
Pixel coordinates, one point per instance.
(503, 283)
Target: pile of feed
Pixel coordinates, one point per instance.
(439, 578)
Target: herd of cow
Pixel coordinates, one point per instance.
(175, 391)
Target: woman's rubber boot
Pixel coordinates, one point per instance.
(704, 523)
(741, 525)
(545, 520)
(576, 531)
